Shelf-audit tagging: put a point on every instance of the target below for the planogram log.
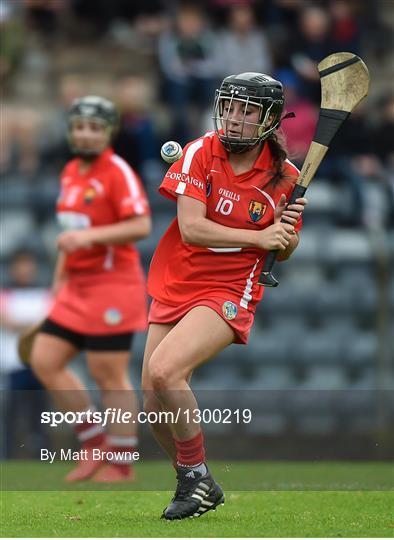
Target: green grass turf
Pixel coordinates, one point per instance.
(273, 513)
(233, 476)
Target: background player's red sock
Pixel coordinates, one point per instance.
(190, 453)
(121, 444)
(90, 434)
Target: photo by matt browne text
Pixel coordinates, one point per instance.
(231, 186)
(97, 454)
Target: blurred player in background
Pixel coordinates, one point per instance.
(99, 286)
(231, 188)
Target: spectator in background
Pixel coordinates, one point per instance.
(299, 133)
(384, 133)
(351, 161)
(187, 61)
(42, 15)
(22, 304)
(100, 15)
(19, 123)
(136, 140)
(346, 30)
(20, 126)
(242, 43)
(383, 145)
(311, 43)
(282, 12)
(279, 18)
(11, 41)
(96, 16)
(55, 150)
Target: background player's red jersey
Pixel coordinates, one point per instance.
(105, 290)
(108, 193)
(181, 273)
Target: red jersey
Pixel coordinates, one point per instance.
(180, 272)
(107, 193)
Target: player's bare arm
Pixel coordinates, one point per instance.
(198, 230)
(124, 232)
(60, 274)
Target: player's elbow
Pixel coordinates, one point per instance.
(147, 227)
(189, 231)
(186, 234)
(144, 227)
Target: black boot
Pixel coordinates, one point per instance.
(195, 494)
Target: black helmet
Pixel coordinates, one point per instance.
(255, 89)
(95, 108)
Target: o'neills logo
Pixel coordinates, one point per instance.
(182, 177)
(235, 88)
(229, 194)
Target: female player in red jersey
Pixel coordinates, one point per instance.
(100, 294)
(231, 187)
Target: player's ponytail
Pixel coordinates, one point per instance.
(278, 150)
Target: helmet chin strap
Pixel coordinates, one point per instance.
(286, 116)
(239, 147)
(86, 155)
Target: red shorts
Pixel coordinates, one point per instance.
(240, 319)
(102, 304)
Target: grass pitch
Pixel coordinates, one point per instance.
(293, 510)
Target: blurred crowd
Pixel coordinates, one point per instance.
(161, 63)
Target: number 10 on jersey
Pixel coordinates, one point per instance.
(224, 206)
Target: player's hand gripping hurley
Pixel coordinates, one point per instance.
(344, 83)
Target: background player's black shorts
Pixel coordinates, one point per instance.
(112, 342)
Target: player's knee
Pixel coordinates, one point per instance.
(100, 375)
(159, 380)
(43, 369)
(47, 359)
(161, 375)
(108, 377)
(165, 369)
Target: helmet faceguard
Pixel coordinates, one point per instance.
(254, 89)
(95, 108)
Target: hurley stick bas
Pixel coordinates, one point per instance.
(344, 82)
(26, 342)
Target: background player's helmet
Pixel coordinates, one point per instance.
(251, 88)
(93, 108)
